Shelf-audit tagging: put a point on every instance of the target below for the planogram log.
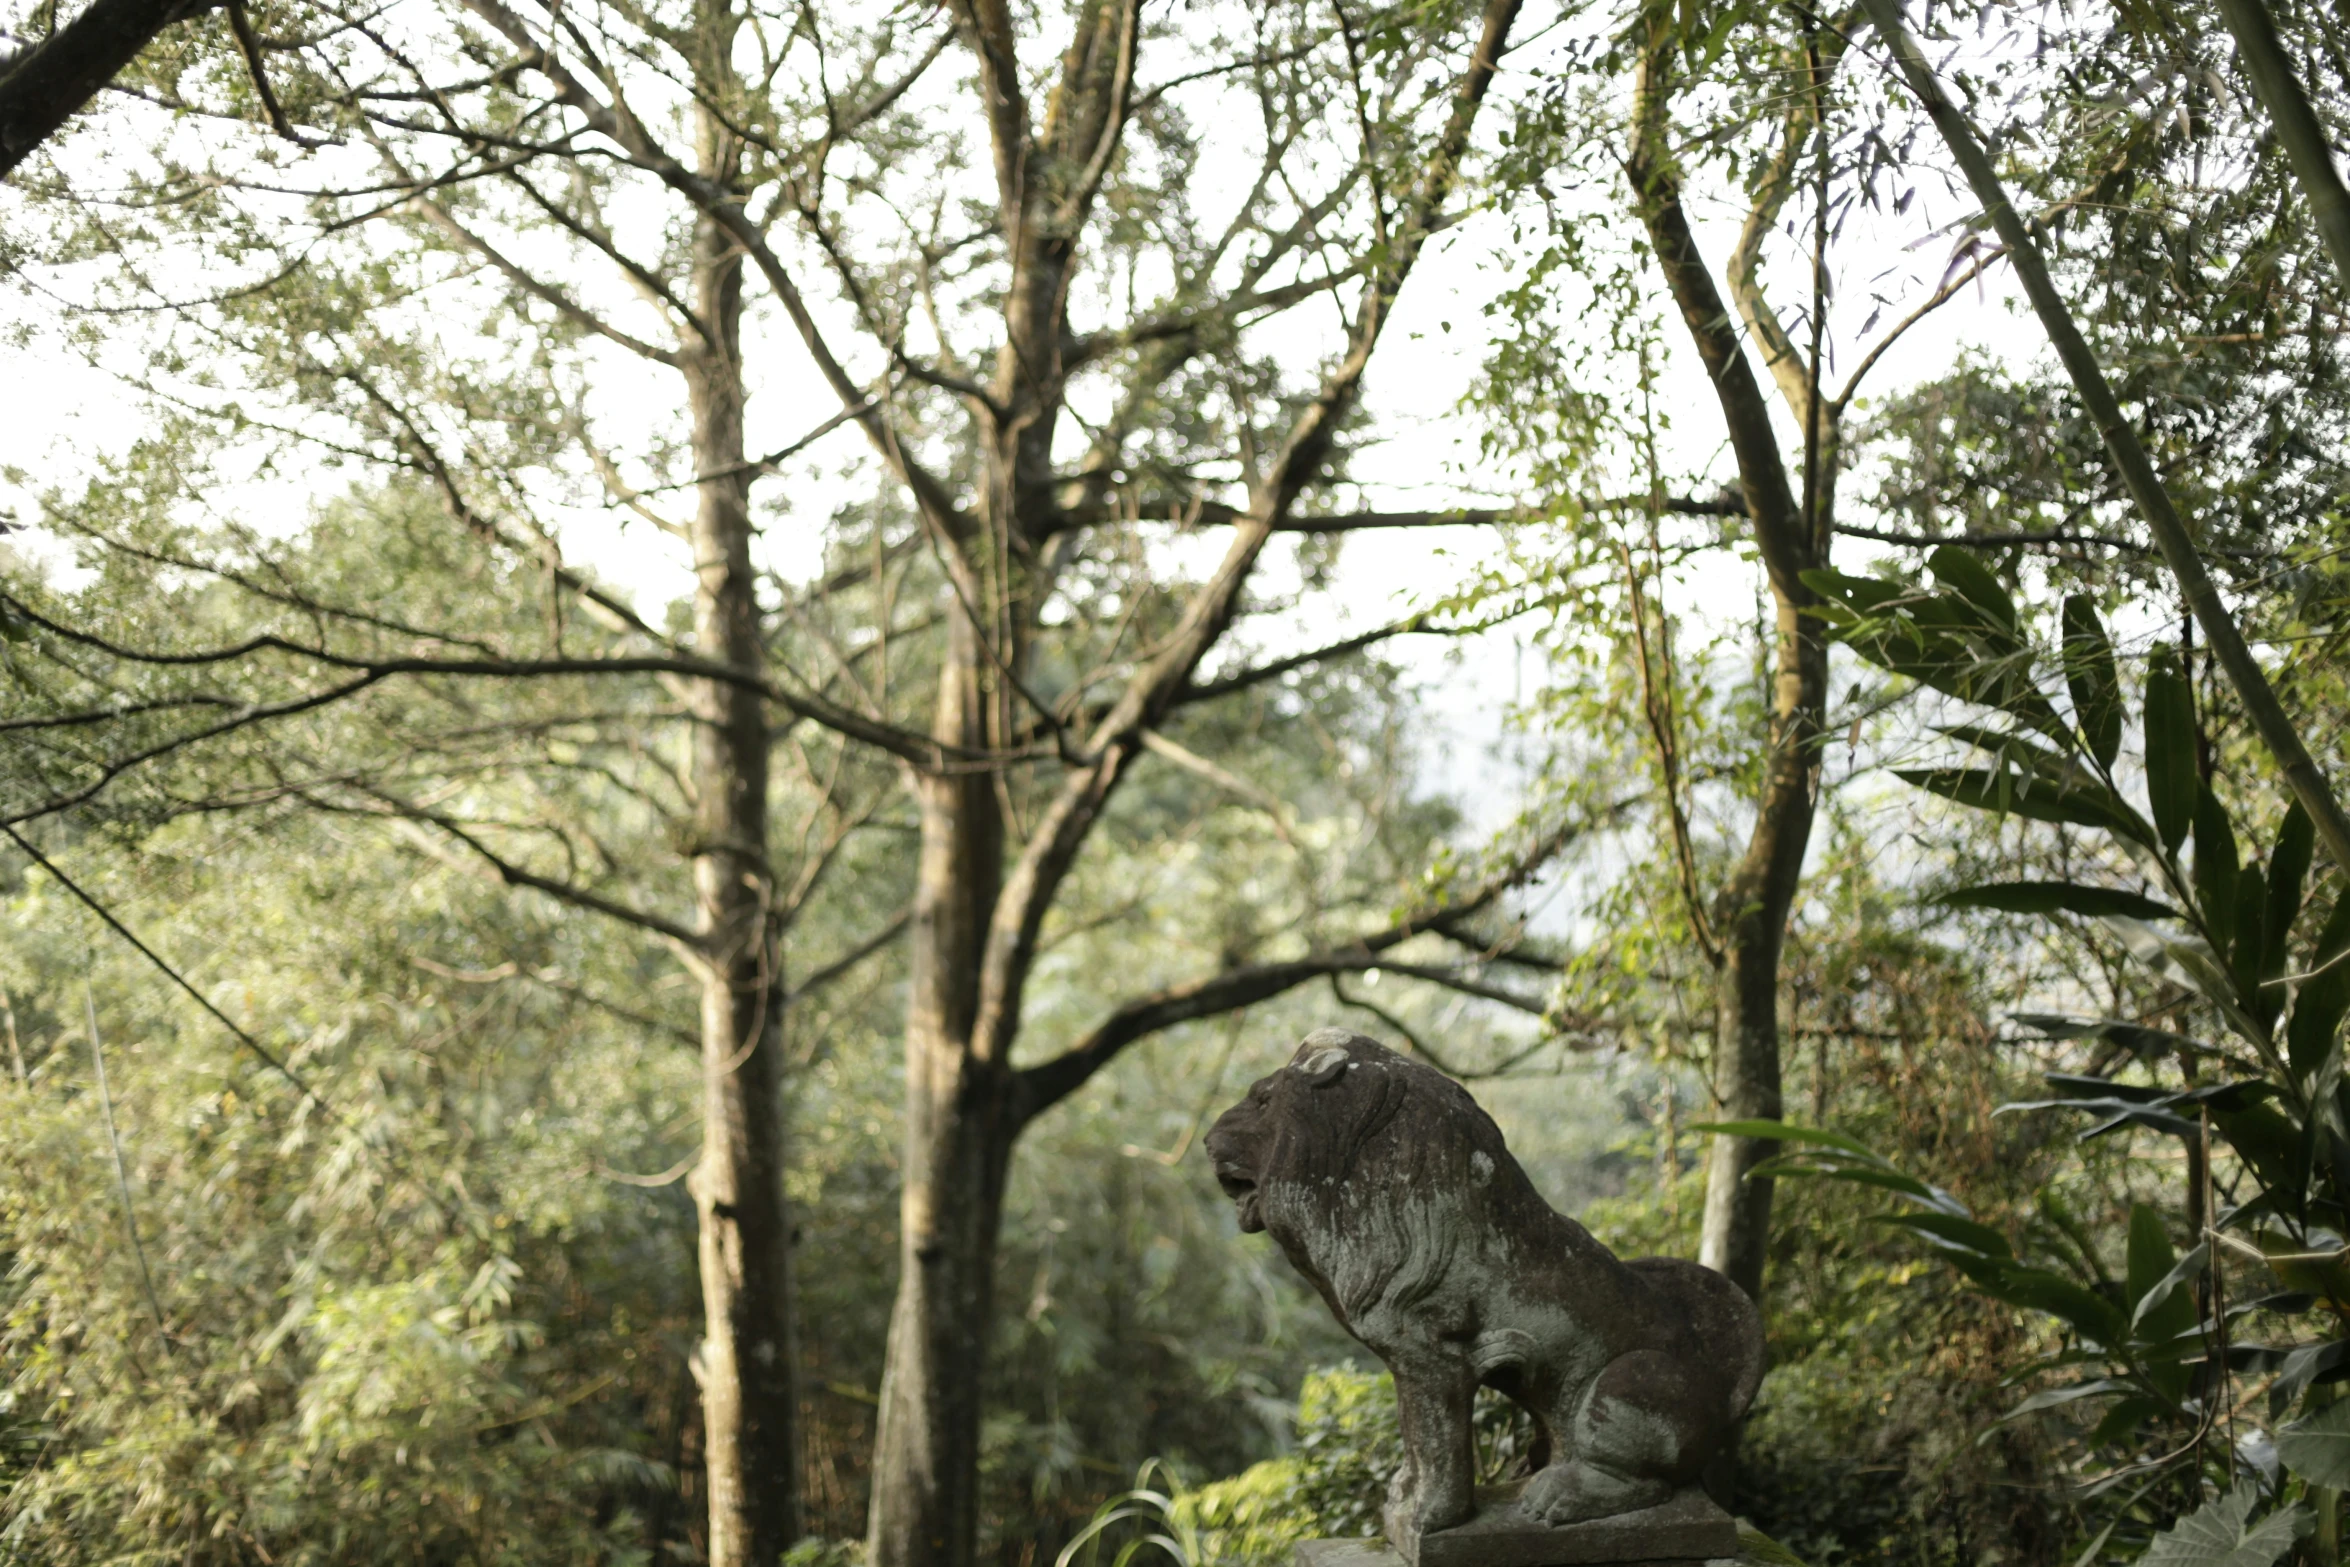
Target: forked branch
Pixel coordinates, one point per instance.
(1047, 1083)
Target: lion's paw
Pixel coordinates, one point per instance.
(1572, 1492)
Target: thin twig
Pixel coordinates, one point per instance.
(249, 45)
(247, 1040)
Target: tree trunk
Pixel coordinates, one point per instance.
(960, 1126)
(975, 925)
(1751, 915)
(43, 86)
(747, 1360)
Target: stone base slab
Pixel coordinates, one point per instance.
(1683, 1532)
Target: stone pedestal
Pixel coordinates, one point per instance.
(1684, 1532)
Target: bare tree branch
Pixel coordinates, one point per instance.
(1468, 984)
(240, 25)
(392, 806)
(1061, 830)
(579, 316)
(1048, 1082)
(43, 86)
(1222, 313)
(1996, 541)
(626, 132)
(1217, 514)
(824, 975)
(919, 749)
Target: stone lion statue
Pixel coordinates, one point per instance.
(1391, 1190)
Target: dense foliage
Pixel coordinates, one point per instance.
(358, 1010)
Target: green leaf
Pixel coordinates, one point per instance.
(2324, 996)
(2160, 1310)
(2053, 897)
(1756, 1546)
(2093, 679)
(1949, 1230)
(2216, 862)
(1865, 594)
(2091, 1314)
(2288, 868)
(1986, 789)
(2318, 1448)
(1782, 1132)
(2057, 1397)
(1890, 1180)
(2120, 1421)
(2134, 1037)
(2251, 946)
(2223, 1533)
(2171, 782)
(2150, 1254)
(1964, 573)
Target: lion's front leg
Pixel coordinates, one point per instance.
(1435, 1488)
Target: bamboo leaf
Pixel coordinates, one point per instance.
(2117, 1112)
(2094, 681)
(2124, 1417)
(2216, 862)
(2057, 1397)
(2324, 996)
(1756, 1546)
(1964, 573)
(1782, 1132)
(2251, 946)
(2084, 1087)
(2171, 782)
(2090, 1313)
(2055, 897)
(2135, 1037)
(2190, 961)
(2149, 1313)
(2159, 1312)
(2288, 868)
(1949, 1230)
(2303, 1366)
(2150, 1254)
(1865, 594)
(1985, 789)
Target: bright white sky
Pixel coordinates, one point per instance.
(60, 416)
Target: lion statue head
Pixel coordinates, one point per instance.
(1364, 1165)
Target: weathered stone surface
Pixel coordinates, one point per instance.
(1689, 1528)
(1391, 1191)
(1378, 1553)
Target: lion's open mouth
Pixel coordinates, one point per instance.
(1242, 1189)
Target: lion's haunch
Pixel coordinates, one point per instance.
(1393, 1192)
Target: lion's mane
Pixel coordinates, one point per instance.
(1377, 1177)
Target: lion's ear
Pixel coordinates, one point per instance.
(1324, 1067)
